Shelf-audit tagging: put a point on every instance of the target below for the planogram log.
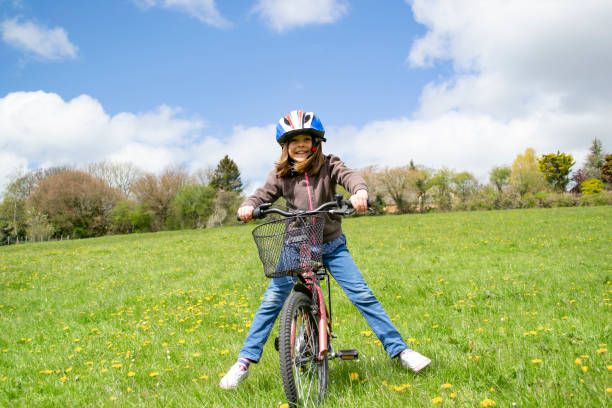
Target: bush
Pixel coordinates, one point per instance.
(510, 198)
(602, 198)
(591, 186)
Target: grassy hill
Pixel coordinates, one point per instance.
(512, 306)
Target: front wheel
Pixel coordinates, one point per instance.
(305, 379)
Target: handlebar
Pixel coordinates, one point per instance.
(340, 207)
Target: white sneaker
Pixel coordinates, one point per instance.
(234, 376)
(412, 360)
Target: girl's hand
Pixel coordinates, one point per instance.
(360, 200)
(246, 213)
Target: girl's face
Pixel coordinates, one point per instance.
(300, 147)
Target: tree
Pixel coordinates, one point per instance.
(442, 191)
(396, 182)
(525, 176)
(74, 202)
(556, 168)
(158, 193)
(5, 232)
(422, 184)
(194, 204)
(606, 170)
(464, 185)
(578, 177)
(13, 207)
(595, 159)
(226, 176)
(117, 175)
(499, 176)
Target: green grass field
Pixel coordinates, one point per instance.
(512, 307)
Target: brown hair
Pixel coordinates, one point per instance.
(311, 165)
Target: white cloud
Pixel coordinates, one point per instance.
(41, 129)
(283, 15)
(42, 42)
(204, 10)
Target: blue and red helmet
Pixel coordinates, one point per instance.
(299, 122)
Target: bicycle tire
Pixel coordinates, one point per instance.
(305, 379)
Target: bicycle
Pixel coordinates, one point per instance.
(292, 246)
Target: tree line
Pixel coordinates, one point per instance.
(118, 198)
(529, 182)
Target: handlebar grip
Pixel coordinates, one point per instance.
(257, 213)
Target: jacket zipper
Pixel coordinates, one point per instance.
(308, 189)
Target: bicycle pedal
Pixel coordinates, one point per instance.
(351, 354)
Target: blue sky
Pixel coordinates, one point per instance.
(160, 82)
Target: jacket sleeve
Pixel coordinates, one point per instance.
(346, 177)
(269, 193)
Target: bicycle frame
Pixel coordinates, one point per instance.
(310, 282)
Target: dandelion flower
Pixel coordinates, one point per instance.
(585, 369)
(354, 376)
(453, 395)
(578, 361)
(131, 374)
(437, 400)
(536, 361)
(601, 350)
(154, 374)
(116, 366)
(203, 377)
(608, 390)
(64, 379)
(487, 403)
(223, 352)
(446, 386)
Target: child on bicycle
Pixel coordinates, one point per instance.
(306, 179)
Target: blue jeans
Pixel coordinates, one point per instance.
(340, 264)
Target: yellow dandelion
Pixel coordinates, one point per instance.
(181, 341)
(285, 405)
(4, 379)
(64, 379)
(131, 374)
(367, 333)
(203, 377)
(453, 395)
(578, 361)
(446, 386)
(129, 389)
(223, 352)
(103, 370)
(585, 369)
(78, 349)
(116, 366)
(196, 355)
(536, 361)
(601, 350)
(154, 374)
(608, 390)
(487, 403)
(437, 400)
(354, 376)
(45, 372)
(609, 367)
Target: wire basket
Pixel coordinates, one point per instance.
(290, 246)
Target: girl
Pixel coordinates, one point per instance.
(306, 179)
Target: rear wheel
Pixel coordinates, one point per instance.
(305, 378)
